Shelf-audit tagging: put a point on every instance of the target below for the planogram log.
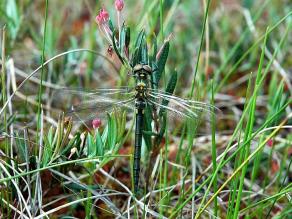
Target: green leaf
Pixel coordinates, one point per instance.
(154, 84)
(154, 49)
(248, 3)
(91, 147)
(112, 135)
(111, 26)
(144, 53)
(277, 100)
(137, 57)
(169, 89)
(128, 37)
(161, 61)
(12, 13)
(121, 125)
(116, 48)
(10, 120)
(122, 39)
(22, 149)
(48, 147)
(159, 137)
(104, 137)
(99, 144)
(162, 113)
(140, 39)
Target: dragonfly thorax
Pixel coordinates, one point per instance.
(141, 73)
(141, 89)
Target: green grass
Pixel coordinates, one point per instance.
(235, 162)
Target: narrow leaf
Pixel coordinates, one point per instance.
(99, 144)
(161, 61)
(91, 148)
(144, 53)
(169, 89)
(116, 48)
(128, 37)
(122, 39)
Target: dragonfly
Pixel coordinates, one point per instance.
(151, 106)
(137, 99)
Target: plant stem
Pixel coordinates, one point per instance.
(42, 75)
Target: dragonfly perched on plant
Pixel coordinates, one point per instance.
(148, 102)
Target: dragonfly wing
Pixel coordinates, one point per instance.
(103, 92)
(84, 105)
(179, 107)
(88, 110)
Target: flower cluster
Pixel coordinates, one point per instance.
(102, 19)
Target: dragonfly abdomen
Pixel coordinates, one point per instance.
(140, 106)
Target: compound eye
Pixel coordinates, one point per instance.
(147, 68)
(137, 67)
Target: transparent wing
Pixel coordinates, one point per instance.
(103, 92)
(179, 107)
(84, 105)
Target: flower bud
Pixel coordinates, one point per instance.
(119, 5)
(96, 123)
(270, 143)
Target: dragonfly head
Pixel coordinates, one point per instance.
(142, 71)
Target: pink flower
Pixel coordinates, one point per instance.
(96, 123)
(102, 17)
(119, 5)
(270, 142)
(99, 19)
(104, 14)
(102, 20)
